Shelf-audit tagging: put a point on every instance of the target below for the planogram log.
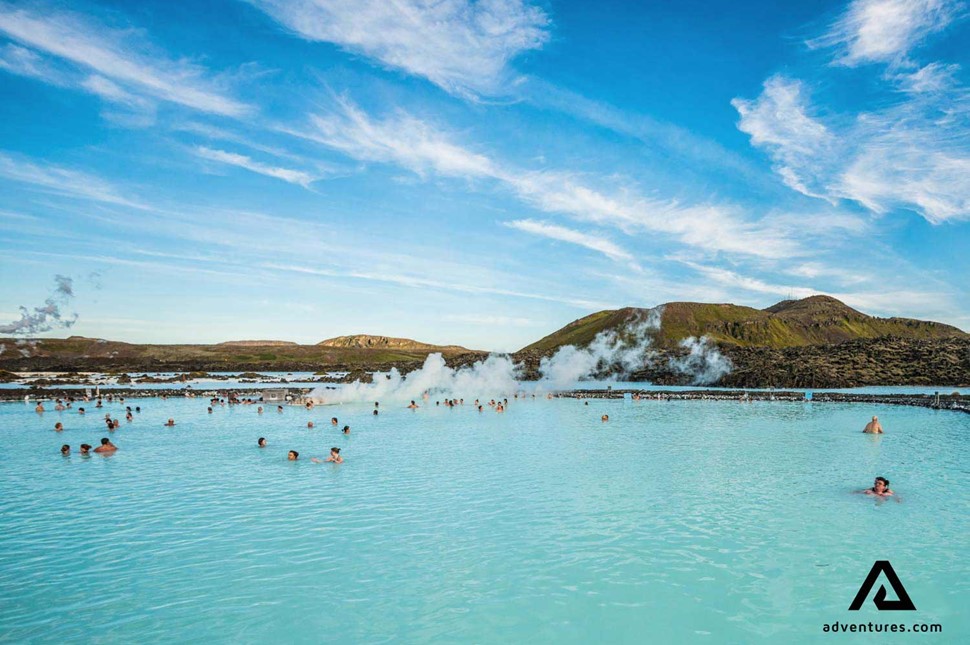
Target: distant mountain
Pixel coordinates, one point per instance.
(256, 343)
(366, 341)
(816, 320)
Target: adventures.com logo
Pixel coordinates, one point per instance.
(902, 603)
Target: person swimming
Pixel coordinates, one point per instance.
(80, 410)
(375, 412)
(333, 421)
(413, 406)
(259, 410)
(346, 430)
(58, 427)
(261, 442)
(85, 449)
(66, 450)
(170, 423)
(334, 457)
(309, 424)
(39, 408)
(292, 455)
(880, 488)
(605, 417)
(873, 427)
(106, 446)
(279, 408)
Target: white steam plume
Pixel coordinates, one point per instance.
(704, 363)
(617, 353)
(47, 317)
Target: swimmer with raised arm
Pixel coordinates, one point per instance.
(873, 427)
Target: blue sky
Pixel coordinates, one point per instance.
(477, 173)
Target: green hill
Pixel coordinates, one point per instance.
(817, 320)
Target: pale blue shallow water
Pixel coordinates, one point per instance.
(694, 521)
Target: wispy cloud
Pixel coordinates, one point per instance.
(242, 161)
(63, 181)
(463, 46)
(416, 145)
(125, 57)
(914, 154)
(563, 234)
(885, 31)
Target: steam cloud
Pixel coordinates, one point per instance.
(615, 353)
(47, 317)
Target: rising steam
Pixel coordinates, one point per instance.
(47, 317)
(614, 353)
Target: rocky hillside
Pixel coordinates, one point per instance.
(256, 343)
(817, 320)
(366, 341)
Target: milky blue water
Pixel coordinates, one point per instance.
(695, 521)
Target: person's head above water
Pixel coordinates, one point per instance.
(85, 448)
(346, 430)
(261, 442)
(105, 441)
(292, 455)
(881, 483)
(65, 449)
(333, 421)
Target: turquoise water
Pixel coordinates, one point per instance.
(691, 521)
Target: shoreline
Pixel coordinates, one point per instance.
(929, 401)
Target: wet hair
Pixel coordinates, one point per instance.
(346, 429)
(375, 412)
(295, 454)
(883, 480)
(65, 448)
(336, 450)
(261, 441)
(105, 441)
(333, 420)
(85, 446)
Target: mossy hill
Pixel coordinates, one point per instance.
(817, 320)
(366, 341)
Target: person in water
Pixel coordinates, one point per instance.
(873, 427)
(85, 449)
(261, 442)
(58, 427)
(309, 424)
(39, 408)
(292, 455)
(413, 406)
(106, 446)
(376, 412)
(346, 430)
(66, 450)
(880, 488)
(605, 417)
(333, 421)
(259, 410)
(80, 410)
(334, 457)
(170, 423)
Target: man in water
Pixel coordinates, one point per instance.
(261, 442)
(106, 446)
(39, 408)
(170, 423)
(80, 410)
(85, 449)
(309, 424)
(873, 427)
(58, 427)
(259, 410)
(66, 450)
(413, 406)
(333, 421)
(880, 488)
(605, 417)
(292, 455)
(376, 412)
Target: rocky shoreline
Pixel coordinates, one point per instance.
(953, 402)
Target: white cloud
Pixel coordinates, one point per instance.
(63, 181)
(413, 144)
(778, 120)
(124, 57)
(563, 234)
(463, 46)
(292, 176)
(886, 30)
(912, 155)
